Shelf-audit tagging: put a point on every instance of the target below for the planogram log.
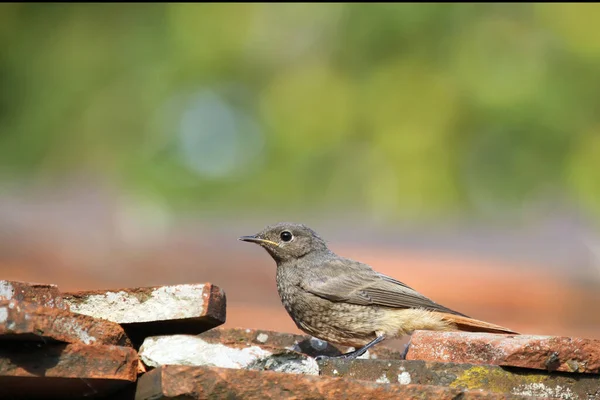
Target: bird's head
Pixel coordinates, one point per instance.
(287, 241)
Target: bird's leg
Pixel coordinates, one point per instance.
(359, 352)
(405, 352)
(356, 353)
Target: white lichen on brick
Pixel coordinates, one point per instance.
(439, 351)
(382, 379)
(191, 350)
(84, 336)
(404, 378)
(541, 390)
(287, 363)
(164, 303)
(72, 328)
(262, 337)
(6, 290)
(306, 367)
(3, 315)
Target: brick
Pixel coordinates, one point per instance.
(32, 370)
(244, 348)
(155, 311)
(278, 341)
(43, 294)
(21, 320)
(193, 350)
(467, 376)
(178, 382)
(551, 353)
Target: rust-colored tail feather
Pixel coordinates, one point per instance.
(473, 325)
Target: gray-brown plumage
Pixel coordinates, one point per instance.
(346, 302)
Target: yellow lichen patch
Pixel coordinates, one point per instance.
(495, 380)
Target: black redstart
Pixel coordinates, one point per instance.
(346, 302)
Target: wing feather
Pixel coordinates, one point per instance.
(357, 283)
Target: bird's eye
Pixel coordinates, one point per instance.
(286, 236)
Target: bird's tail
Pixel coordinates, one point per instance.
(467, 324)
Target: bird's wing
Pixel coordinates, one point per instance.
(357, 283)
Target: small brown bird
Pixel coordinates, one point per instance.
(346, 302)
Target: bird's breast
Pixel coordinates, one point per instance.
(289, 289)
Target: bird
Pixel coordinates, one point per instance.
(346, 302)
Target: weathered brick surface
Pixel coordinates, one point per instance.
(43, 294)
(277, 341)
(178, 382)
(538, 352)
(153, 311)
(32, 370)
(193, 350)
(194, 361)
(28, 321)
(467, 376)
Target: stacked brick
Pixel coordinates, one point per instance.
(57, 345)
(166, 343)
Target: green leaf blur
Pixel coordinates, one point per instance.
(396, 111)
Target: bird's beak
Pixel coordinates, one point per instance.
(258, 240)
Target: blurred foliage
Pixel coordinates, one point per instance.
(398, 110)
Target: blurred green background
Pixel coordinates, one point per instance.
(390, 111)
(455, 147)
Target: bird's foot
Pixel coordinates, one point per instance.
(405, 352)
(353, 354)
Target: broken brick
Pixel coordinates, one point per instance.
(43, 294)
(33, 370)
(28, 321)
(551, 353)
(193, 350)
(154, 311)
(177, 382)
(467, 376)
(277, 341)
